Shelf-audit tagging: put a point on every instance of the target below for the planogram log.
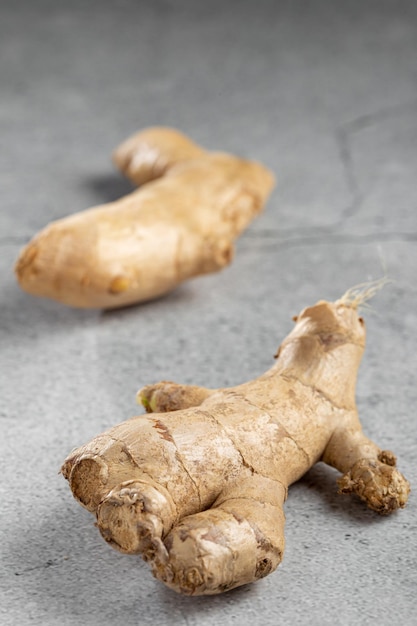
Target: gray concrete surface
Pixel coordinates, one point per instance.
(323, 92)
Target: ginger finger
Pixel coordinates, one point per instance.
(168, 396)
(369, 472)
(149, 154)
(237, 541)
(181, 225)
(134, 516)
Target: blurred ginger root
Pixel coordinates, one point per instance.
(181, 222)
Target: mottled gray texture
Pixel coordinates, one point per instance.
(323, 92)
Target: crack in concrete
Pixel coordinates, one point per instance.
(346, 158)
(370, 119)
(14, 240)
(48, 563)
(343, 135)
(275, 238)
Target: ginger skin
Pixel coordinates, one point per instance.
(181, 223)
(197, 488)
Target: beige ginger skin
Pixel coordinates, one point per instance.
(198, 486)
(181, 223)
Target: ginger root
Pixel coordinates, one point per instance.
(197, 487)
(181, 223)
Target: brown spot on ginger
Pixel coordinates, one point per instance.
(119, 284)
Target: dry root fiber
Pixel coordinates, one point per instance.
(198, 486)
(181, 223)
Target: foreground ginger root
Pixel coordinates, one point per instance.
(143, 245)
(198, 488)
